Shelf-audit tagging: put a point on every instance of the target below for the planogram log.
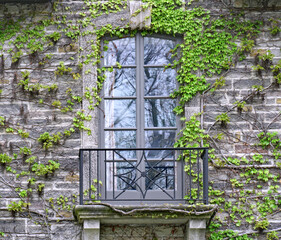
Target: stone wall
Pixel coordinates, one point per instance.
(142, 232)
(23, 110)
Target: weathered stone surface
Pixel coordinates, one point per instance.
(12, 226)
(70, 231)
(142, 232)
(140, 15)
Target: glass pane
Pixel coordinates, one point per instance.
(125, 155)
(159, 175)
(158, 51)
(162, 154)
(120, 113)
(159, 81)
(125, 175)
(160, 138)
(159, 113)
(120, 50)
(120, 139)
(120, 82)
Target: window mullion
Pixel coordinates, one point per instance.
(140, 105)
(140, 90)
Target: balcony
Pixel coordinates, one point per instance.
(148, 188)
(149, 175)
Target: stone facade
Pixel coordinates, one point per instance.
(22, 110)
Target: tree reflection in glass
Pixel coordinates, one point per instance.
(121, 139)
(159, 113)
(157, 51)
(159, 81)
(121, 50)
(120, 113)
(120, 82)
(160, 174)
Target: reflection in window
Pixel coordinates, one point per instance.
(158, 51)
(120, 113)
(160, 138)
(120, 83)
(126, 176)
(159, 175)
(121, 51)
(120, 139)
(159, 113)
(159, 81)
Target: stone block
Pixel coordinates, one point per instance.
(254, 4)
(190, 111)
(12, 226)
(35, 229)
(72, 178)
(196, 229)
(65, 214)
(12, 109)
(91, 230)
(31, 237)
(66, 230)
(140, 15)
(68, 48)
(246, 83)
(248, 149)
(66, 185)
(91, 224)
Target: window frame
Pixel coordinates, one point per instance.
(140, 139)
(140, 111)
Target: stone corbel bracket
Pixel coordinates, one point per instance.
(140, 15)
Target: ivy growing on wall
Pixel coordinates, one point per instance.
(211, 46)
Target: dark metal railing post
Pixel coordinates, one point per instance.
(113, 181)
(190, 176)
(81, 176)
(184, 189)
(205, 176)
(105, 174)
(174, 166)
(198, 174)
(90, 174)
(98, 176)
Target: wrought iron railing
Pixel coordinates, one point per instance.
(144, 174)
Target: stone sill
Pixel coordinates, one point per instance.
(144, 214)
